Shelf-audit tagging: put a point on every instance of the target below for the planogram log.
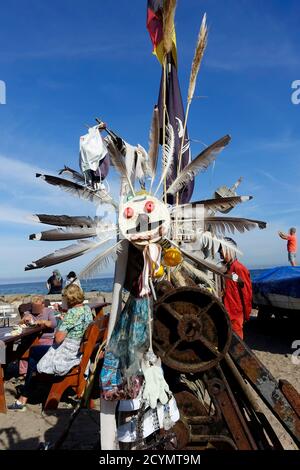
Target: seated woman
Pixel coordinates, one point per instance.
(39, 315)
(64, 353)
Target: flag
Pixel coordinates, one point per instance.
(175, 117)
(155, 28)
(175, 111)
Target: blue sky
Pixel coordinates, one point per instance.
(65, 62)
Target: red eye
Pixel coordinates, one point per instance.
(128, 212)
(149, 206)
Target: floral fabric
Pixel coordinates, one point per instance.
(76, 321)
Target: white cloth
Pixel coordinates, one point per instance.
(156, 388)
(153, 420)
(71, 281)
(152, 256)
(92, 149)
(60, 359)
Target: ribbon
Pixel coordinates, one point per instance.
(152, 257)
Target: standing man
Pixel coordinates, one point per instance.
(291, 244)
(237, 294)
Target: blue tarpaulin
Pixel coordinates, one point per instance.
(282, 280)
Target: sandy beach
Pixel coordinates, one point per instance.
(27, 430)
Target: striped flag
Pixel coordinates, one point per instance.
(155, 28)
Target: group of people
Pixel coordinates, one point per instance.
(55, 282)
(58, 349)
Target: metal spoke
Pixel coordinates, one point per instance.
(209, 346)
(172, 347)
(205, 309)
(171, 311)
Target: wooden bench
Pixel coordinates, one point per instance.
(95, 334)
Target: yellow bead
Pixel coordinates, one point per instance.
(159, 272)
(172, 257)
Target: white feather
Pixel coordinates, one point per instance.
(168, 155)
(212, 242)
(200, 163)
(118, 161)
(101, 260)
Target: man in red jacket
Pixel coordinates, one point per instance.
(237, 295)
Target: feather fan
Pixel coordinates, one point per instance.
(67, 220)
(65, 254)
(200, 163)
(73, 233)
(101, 260)
(75, 175)
(168, 155)
(95, 196)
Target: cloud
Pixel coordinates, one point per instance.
(17, 170)
(277, 181)
(14, 215)
(66, 51)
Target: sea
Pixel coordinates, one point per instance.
(101, 284)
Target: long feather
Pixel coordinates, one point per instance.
(154, 144)
(67, 220)
(200, 163)
(65, 254)
(101, 260)
(168, 155)
(216, 204)
(118, 160)
(73, 233)
(199, 52)
(97, 197)
(231, 224)
(222, 224)
(75, 175)
(168, 24)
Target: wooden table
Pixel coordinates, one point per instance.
(8, 353)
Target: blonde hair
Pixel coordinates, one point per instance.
(73, 295)
(37, 299)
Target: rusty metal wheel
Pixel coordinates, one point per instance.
(192, 331)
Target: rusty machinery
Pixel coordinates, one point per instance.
(213, 374)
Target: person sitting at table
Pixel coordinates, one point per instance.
(40, 316)
(64, 354)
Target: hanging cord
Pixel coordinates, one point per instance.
(149, 323)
